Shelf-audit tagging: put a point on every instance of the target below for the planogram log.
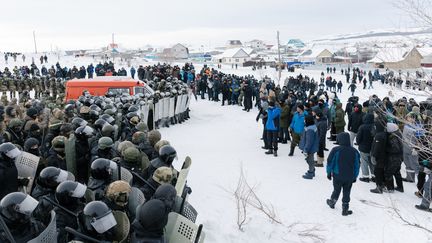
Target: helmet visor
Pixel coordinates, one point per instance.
(110, 119)
(83, 123)
(13, 153)
(63, 176)
(103, 224)
(79, 191)
(27, 206)
(88, 130)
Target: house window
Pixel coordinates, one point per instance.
(244, 59)
(236, 60)
(229, 60)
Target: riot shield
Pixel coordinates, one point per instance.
(166, 107)
(185, 99)
(70, 154)
(156, 111)
(121, 230)
(49, 234)
(171, 107)
(181, 230)
(27, 164)
(151, 119)
(144, 112)
(181, 180)
(188, 101)
(136, 198)
(125, 175)
(116, 132)
(178, 104)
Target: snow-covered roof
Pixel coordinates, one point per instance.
(234, 52)
(314, 51)
(391, 55)
(425, 51)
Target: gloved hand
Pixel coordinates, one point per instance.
(23, 181)
(329, 176)
(414, 152)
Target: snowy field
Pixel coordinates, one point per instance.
(221, 140)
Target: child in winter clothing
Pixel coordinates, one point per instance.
(309, 145)
(425, 167)
(343, 165)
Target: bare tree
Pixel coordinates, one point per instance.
(418, 10)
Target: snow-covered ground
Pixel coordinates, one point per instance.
(221, 140)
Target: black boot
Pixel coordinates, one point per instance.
(275, 153)
(270, 151)
(346, 211)
(291, 153)
(378, 189)
(331, 203)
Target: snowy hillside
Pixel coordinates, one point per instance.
(222, 139)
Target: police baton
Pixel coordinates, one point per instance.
(83, 236)
(6, 230)
(143, 180)
(61, 207)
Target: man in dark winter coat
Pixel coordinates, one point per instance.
(378, 155)
(343, 165)
(321, 123)
(364, 140)
(394, 150)
(354, 121)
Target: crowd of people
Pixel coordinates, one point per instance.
(373, 137)
(82, 145)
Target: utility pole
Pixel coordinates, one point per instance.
(279, 56)
(34, 40)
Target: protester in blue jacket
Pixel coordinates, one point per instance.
(309, 144)
(297, 127)
(272, 127)
(132, 72)
(343, 165)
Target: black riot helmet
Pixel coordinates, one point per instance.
(167, 154)
(84, 132)
(102, 169)
(17, 207)
(108, 119)
(9, 152)
(70, 193)
(51, 177)
(99, 123)
(78, 122)
(97, 216)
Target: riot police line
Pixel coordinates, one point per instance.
(126, 193)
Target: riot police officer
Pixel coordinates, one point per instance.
(16, 210)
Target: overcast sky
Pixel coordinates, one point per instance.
(70, 24)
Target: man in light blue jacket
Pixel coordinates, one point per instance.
(309, 145)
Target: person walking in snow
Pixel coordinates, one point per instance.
(352, 87)
(343, 165)
(132, 72)
(309, 145)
